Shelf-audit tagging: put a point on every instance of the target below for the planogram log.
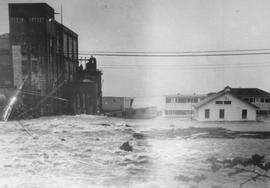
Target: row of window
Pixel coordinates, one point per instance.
(222, 113)
(23, 20)
(223, 102)
(182, 100)
(252, 99)
(178, 112)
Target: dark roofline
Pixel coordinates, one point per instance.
(219, 94)
(66, 28)
(263, 93)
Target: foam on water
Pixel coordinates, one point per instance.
(83, 151)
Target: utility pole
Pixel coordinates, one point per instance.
(61, 15)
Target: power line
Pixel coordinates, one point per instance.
(199, 67)
(175, 55)
(242, 52)
(175, 52)
(239, 52)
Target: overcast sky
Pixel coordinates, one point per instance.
(169, 25)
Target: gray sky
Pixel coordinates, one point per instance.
(170, 25)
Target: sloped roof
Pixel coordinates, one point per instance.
(227, 90)
(249, 92)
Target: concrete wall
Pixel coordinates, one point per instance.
(5, 62)
(233, 111)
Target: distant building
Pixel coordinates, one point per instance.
(116, 105)
(225, 106)
(181, 105)
(122, 107)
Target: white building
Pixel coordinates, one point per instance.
(224, 106)
(181, 105)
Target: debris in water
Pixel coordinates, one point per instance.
(88, 150)
(105, 124)
(126, 147)
(139, 135)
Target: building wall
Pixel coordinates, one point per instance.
(233, 111)
(6, 72)
(84, 97)
(181, 106)
(262, 102)
(116, 103)
(49, 52)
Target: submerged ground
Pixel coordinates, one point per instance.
(84, 151)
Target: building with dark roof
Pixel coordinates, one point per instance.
(258, 97)
(225, 106)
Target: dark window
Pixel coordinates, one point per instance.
(262, 100)
(267, 100)
(227, 102)
(252, 100)
(262, 112)
(244, 114)
(221, 113)
(246, 99)
(219, 102)
(206, 113)
(168, 100)
(24, 67)
(34, 66)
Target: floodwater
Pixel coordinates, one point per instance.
(83, 151)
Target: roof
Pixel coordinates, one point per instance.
(116, 97)
(226, 90)
(249, 92)
(187, 95)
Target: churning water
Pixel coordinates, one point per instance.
(83, 151)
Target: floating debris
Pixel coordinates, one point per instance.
(126, 147)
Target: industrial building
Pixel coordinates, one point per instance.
(44, 53)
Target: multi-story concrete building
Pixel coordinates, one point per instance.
(43, 51)
(43, 54)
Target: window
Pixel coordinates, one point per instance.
(219, 102)
(221, 113)
(251, 99)
(257, 99)
(267, 100)
(34, 66)
(168, 100)
(206, 113)
(227, 102)
(244, 114)
(262, 100)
